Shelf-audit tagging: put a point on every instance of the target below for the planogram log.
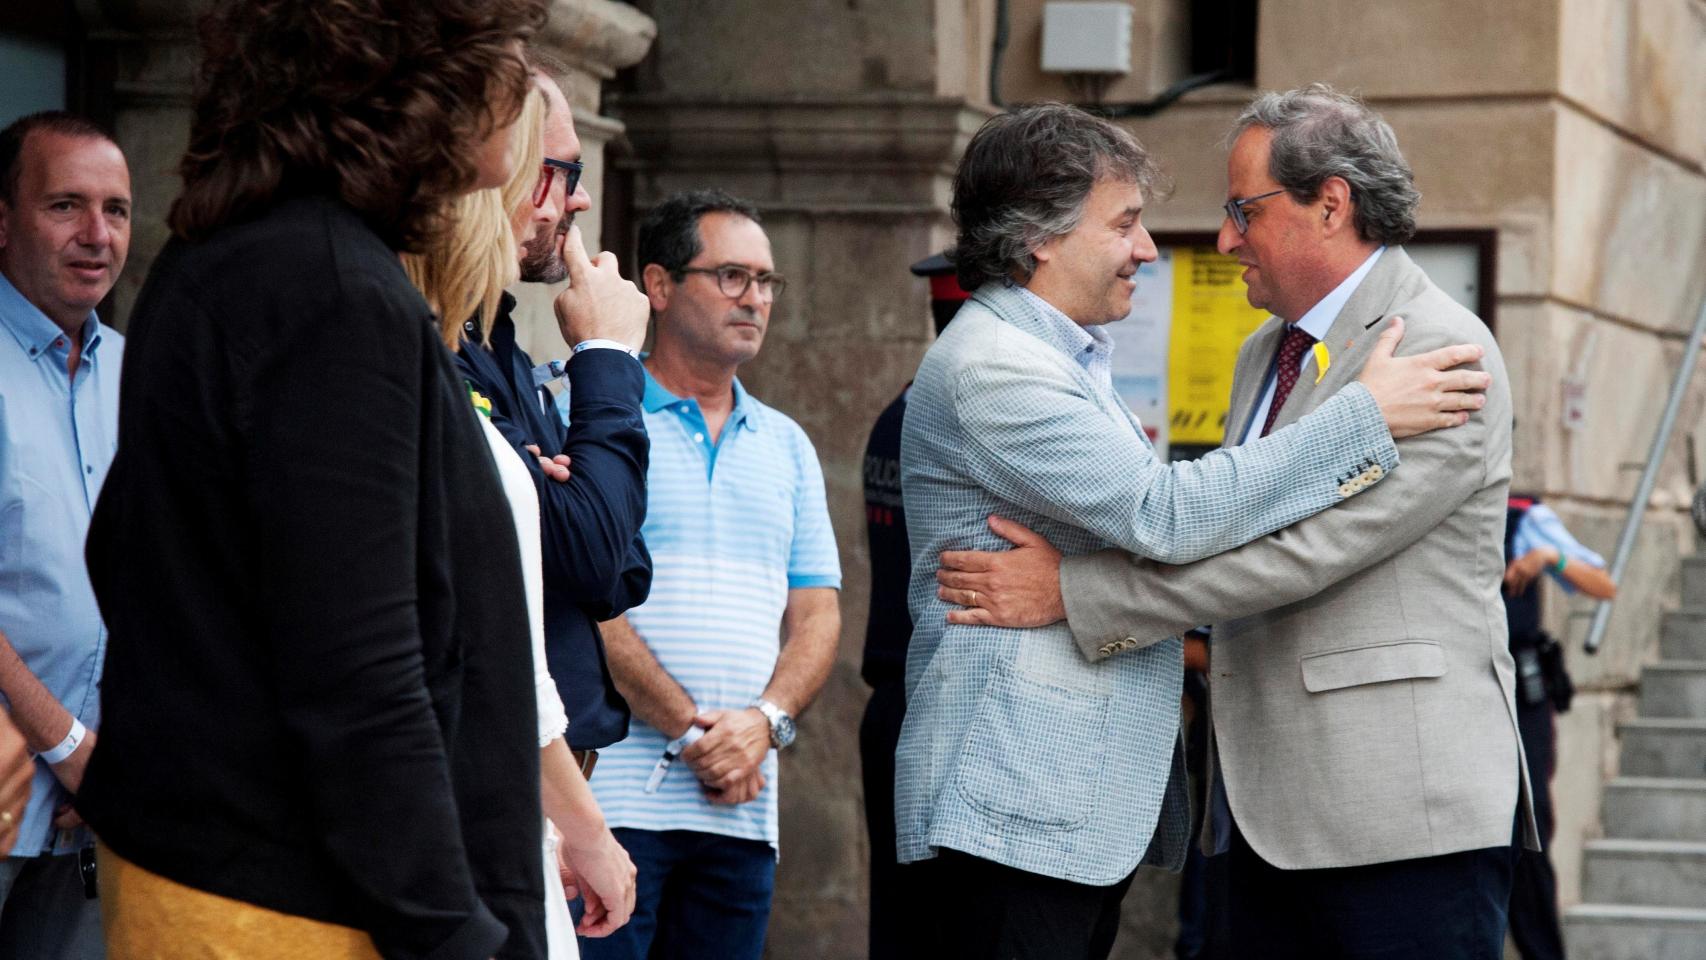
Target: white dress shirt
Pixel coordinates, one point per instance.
(1316, 323)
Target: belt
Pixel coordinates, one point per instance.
(586, 760)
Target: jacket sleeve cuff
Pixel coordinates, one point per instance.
(1369, 424)
(477, 939)
(599, 378)
(1093, 629)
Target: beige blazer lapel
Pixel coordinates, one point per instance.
(1248, 378)
(1351, 338)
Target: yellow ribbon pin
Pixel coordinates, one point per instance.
(1322, 361)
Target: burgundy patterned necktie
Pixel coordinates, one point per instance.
(1288, 365)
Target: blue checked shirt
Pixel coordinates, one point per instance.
(732, 527)
(1015, 749)
(57, 439)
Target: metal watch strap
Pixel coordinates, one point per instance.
(774, 716)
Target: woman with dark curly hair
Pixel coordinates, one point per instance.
(318, 688)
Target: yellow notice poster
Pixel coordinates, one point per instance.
(1211, 318)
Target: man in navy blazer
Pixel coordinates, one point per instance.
(596, 565)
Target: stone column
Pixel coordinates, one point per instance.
(154, 54)
(593, 39)
(843, 122)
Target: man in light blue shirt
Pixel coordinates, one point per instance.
(64, 233)
(1536, 543)
(739, 632)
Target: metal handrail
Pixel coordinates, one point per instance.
(1649, 478)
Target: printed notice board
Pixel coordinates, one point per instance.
(1211, 318)
(1175, 352)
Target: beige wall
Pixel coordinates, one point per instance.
(1573, 128)
(1570, 127)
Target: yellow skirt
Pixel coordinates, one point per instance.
(148, 917)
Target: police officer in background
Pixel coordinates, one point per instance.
(1536, 542)
(886, 635)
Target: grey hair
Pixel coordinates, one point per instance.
(1024, 180)
(1319, 132)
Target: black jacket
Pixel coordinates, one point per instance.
(318, 693)
(596, 565)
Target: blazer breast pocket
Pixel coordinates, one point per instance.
(1035, 752)
(1373, 663)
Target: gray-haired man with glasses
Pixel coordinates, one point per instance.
(1368, 779)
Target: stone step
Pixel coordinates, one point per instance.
(1655, 808)
(1682, 634)
(1663, 748)
(1674, 688)
(1654, 873)
(1595, 931)
(1694, 581)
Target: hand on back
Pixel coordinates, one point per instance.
(1427, 391)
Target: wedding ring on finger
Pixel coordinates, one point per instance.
(973, 598)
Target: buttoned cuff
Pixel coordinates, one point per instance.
(1097, 637)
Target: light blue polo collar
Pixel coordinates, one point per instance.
(657, 397)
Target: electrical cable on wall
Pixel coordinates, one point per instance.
(1089, 87)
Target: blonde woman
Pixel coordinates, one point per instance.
(463, 276)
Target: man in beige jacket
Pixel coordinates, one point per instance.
(1368, 778)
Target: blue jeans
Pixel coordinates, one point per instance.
(699, 895)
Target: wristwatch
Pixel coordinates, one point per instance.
(781, 725)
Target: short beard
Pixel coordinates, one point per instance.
(540, 261)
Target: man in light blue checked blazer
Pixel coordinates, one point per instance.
(1034, 781)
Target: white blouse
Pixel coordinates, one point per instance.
(524, 505)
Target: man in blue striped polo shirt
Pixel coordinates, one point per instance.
(740, 630)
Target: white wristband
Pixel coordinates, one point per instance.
(602, 344)
(670, 752)
(685, 740)
(68, 746)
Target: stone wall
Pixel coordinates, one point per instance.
(154, 51)
(1571, 127)
(843, 122)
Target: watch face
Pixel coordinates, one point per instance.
(784, 730)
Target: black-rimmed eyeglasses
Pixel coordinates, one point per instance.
(1235, 208)
(734, 280)
(548, 171)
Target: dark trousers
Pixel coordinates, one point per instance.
(986, 911)
(43, 912)
(699, 895)
(896, 896)
(1449, 907)
(1203, 934)
(1534, 894)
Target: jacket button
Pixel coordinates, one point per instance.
(1107, 650)
(1378, 471)
(1346, 490)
